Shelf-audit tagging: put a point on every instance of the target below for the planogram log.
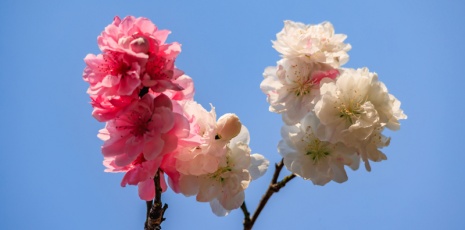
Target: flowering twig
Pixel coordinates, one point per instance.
(274, 187)
(156, 210)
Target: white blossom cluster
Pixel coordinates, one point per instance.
(333, 116)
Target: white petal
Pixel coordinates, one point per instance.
(209, 189)
(339, 174)
(218, 209)
(258, 165)
(230, 203)
(189, 185)
(240, 156)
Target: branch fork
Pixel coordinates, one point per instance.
(274, 187)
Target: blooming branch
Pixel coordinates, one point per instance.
(334, 118)
(155, 128)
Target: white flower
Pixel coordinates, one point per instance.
(293, 86)
(312, 159)
(351, 108)
(213, 137)
(369, 149)
(224, 188)
(200, 159)
(316, 43)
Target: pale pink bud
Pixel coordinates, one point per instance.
(140, 45)
(124, 41)
(229, 126)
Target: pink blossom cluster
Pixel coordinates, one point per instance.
(154, 125)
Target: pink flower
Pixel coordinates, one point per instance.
(115, 83)
(188, 89)
(136, 36)
(168, 166)
(108, 107)
(140, 38)
(140, 172)
(112, 73)
(147, 127)
(137, 141)
(160, 72)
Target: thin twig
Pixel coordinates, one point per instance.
(274, 187)
(283, 182)
(246, 215)
(277, 170)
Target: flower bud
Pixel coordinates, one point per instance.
(140, 45)
(229, 126)
(124, 41)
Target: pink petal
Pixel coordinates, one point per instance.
(147, 190)
(153, 147)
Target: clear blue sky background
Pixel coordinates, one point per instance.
(51, 175)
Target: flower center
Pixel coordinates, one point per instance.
(156, 68)
(114, 65)
(140, 123)
(140, 45)
(218, 175)
(139, 160)
(351, 111)
(302, 86)
(317, 150)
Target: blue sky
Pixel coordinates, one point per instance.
(51, 175)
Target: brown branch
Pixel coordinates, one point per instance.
(274, 187)
(157, 209)
(143, 91)
(246, 215)
(149, 206)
